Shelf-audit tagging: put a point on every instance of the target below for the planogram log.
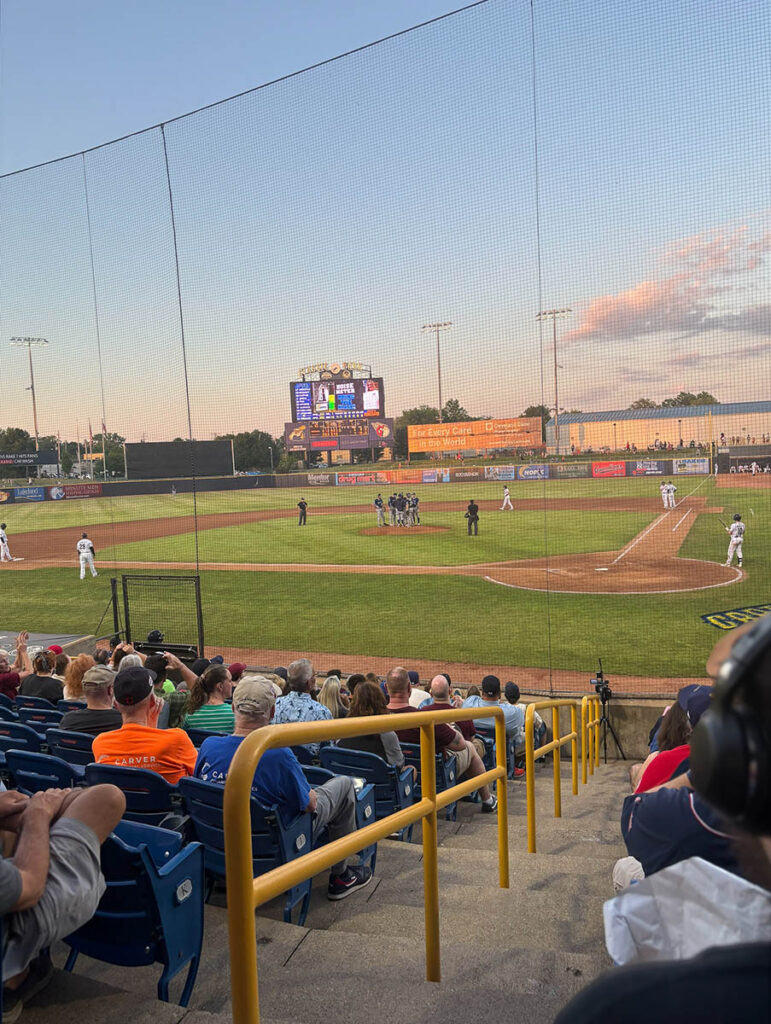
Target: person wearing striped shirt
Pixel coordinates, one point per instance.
(207, 706)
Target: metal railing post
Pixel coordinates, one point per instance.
(574, 747)
(555, 723)
(596, 702)
(430, 856)
(503, 803)
(584, 738)
(530, 778)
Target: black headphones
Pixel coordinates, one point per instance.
(731, 745)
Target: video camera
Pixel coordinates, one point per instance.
(601, 684)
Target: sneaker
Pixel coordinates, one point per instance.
(351, 879)
(41, 971)
(489, 808)
(518, 773)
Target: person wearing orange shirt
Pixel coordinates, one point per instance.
(139, 743)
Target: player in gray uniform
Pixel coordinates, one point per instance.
(378, 503)
(86, 552)
(5, 554)
(736, 530)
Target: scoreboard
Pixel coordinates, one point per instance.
(337, 399)
(338, 435)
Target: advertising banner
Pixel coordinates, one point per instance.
(370, 478)
(6, 497)
(533, 472)
(321, 480)
(690, 467)
(475, 435)
(603, 469)
(29, 493)
(569, 470)
(500, 472)
(461, 475)
(42, 458)
(649, 467)
(338, 435)
(736, 616)
(406, 476)
(76, 491)
(436, 476)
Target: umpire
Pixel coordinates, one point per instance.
(472, 515)
(302, 505)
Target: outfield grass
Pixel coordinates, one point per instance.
(331, 539)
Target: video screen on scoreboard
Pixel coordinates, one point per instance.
(337, 399)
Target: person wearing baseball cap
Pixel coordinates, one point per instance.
(99, 715)
(280, 780)
(513, 713)
(139, 743)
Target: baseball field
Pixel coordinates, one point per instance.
(579, 569)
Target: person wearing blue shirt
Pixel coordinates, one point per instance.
(513, 713)
(297, 705)
(279, 780)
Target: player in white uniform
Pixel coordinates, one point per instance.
(736, 530)
(5, 554)
(671, 491)
(86, 554)
(506, 500)
(664, 494)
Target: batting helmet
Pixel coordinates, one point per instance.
(737, 517)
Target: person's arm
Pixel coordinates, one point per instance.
(678, 782)
(22, 664)
(173, 662)
(393, 752)
(32, 850)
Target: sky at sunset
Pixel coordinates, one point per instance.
(607, 157)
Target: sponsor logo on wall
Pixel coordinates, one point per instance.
(683, 467)
(736, 616)
(321, 479)
(572, 470)
(533, 472)
(500, 472)
(646, 467)
(5, 496)
(29, 493)
(604, 469)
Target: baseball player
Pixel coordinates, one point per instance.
(664, 494)
(302, 519)
(506, 500)
(392, 510)
(671, 491)
(5, 554)
(380, 510)
(401, 505)
(86, 552)
(408, 517)
(415, 505)
(736, 530)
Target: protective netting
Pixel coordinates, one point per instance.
(508, 160)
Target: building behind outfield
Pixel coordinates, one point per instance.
(734, 423)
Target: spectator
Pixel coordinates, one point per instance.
(173, 716)
(368, 700)
(448, 740)
(330, 696)
(354, 680)
(279, 779)
(513, 713)
(130, 660)
(473, 691)
(60, 666)
(101, 656)
(42, 683)
(297, 705)
(440, 694)
(237, 669)
(73, 679)
(512, 694)
(337, 672)
(100, 714)
(282, 673)
(11, 675)
(418, 695)
(138, 743)
(50, 878)
(671, 756)
(207, 706)
(156, 663)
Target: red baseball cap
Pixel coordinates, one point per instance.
(56, 649)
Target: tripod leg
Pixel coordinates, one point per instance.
(615, 737)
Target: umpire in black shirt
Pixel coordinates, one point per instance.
(472, 514)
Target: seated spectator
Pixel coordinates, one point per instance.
(42, 683)
(138, 743)
(673, 739)
(131, 660)
(337, 672)
(353, 681)
(100, 714)
(161, 663)
(473, 691)
(513, 713)
(512, 695)
(368, 700)
(11, 675)
(448, 740)
(207, 706)
(73, 677)
(297, 705)
(50, 878)
(121, 651)
(279, 779)
(418, 695)
(156, 663)
(101, 656)
(441, 701)
(330, 695)
(237, 669)
(282, 673)
(60, 666)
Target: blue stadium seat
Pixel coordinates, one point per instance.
(152, 909)
(365, 807)
(393, 790)
(41, 719)
(197, 736)
(487, 732)
(73, 747)
(32, 772)
(274, 840)
(32, 702)
(150, 799)
(70, 705)
(446, 775)
(6, 715)
(15, 736)
(6, 702)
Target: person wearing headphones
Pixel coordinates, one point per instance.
(731, 775)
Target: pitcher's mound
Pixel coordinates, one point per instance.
(409, 531)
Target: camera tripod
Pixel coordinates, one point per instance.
(605, 693)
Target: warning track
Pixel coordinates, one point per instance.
(648, 564)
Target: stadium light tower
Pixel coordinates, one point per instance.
(28, 344)
(554, 315)
(444, 325)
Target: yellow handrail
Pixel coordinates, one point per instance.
(554, 745)
(590, 734)
(246, 893)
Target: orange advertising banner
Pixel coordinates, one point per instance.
(475, 435)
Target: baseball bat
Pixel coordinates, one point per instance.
(722, 521)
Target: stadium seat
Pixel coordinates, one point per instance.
(32, 702)
(73, 747)
(32, 772)
(6, 702)
(197, 736)
(274, 841)
(15, 736)
(152, 909)
(393, 790)
(446, 775)
(40, 718)
(6, 715)
(150, 799)
(487, 733)
(70, 705)
(365, 808)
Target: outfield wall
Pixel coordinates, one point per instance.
(600, 470)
